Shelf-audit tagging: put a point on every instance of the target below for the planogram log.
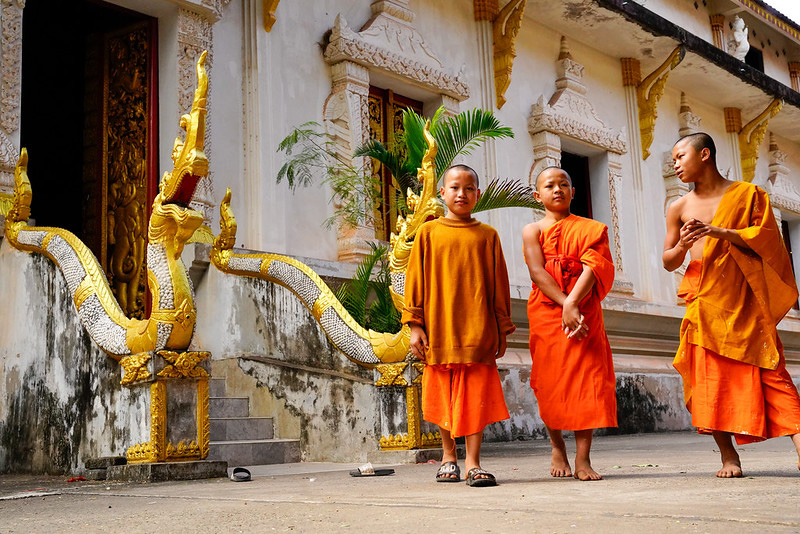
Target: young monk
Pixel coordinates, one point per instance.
(458, 306)
(737, 287)
(572, 375)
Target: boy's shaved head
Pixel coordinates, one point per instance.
(699, 141)
(461, 167)
(548, 170)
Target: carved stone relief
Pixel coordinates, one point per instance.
(569, 113)
(782, 192)
(689, 124)
(387, 43)
(10, 89)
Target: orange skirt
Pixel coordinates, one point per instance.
(462, 399)
(752, 403)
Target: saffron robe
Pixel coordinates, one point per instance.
(573, 380)
(457, 289)
(730, 357)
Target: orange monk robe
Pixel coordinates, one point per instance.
(457, 289)
(573, 380)
(730, 357)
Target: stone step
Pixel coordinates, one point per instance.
(241, 428)
(255, 452)
(217, 387)
(219, 407)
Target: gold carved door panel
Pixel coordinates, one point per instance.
(386, 125)
(120, 156)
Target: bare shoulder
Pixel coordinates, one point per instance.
(531, 231)
(677, 209)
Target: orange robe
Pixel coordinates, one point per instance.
(573, 380)
(730, 357)
(457, 289)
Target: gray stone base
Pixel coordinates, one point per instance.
(414, 456)
(162, 472)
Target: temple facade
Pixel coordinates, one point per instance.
(602, 88)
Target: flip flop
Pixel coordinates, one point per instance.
(487, 480)
(240, 474)
(446, 470)
(367, 470)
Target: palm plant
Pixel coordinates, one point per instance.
(368, 298)
(310, 154)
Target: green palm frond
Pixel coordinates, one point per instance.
(506, 194)
(354, 293)
(461, 134)
(383, 316)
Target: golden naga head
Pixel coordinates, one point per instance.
(172, 219)
(223, 243)
(425, 207)
(190, 164)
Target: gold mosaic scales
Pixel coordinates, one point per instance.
(364, 347)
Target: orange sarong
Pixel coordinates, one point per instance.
(462, 398)
(573, 380)
(750, 402)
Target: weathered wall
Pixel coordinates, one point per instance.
(60, 397)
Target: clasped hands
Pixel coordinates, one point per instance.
(693, 230)
(572, 321)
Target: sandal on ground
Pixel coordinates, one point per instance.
(446, 472)
(480, 478)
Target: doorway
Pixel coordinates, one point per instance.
(88, 121)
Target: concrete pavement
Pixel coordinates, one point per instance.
(653, 482)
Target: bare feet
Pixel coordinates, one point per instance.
(585, 472)
(730, 469)
(559, 465)
(731, 465)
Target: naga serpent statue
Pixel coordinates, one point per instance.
(172, 320)
(365, 347)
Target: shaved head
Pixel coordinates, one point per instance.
(461, 167)
(551, 170)
(699, 141)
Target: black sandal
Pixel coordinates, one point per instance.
(446, 472)
(486, 480)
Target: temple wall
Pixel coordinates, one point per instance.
(61, 402)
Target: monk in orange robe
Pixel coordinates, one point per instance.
(738, 286)
(458, 305)
(572, 371)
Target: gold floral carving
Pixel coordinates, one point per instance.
(391, 374)
(183, 364)
(183, 451)
(155, 450)
(6, 201)
(751, 137)
(125, 168)
(649, 92)
(419, 367)
(270, 7)
(504, 31)
(203, 421)
(135, 368)
(414, 414)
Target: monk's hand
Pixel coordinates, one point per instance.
(572, 320)
(503, 346)
(691, 231)
(419, 342)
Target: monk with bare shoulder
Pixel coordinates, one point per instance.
(572, 372)
(730, 357)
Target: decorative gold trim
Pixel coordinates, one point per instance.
(183, 364)
(504, 31)
(134, 368)
(203, 421)
(84, 291)
(414, 414)
(733, 120)
(202, 235)
(485, 10)
(183, 452)
(270, 7)
(391, 374)
(752, 135)
(6, 201)
(155, 450)
(631, 72)
(649, 92)
(772, 19)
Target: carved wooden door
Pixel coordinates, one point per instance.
(120, 156)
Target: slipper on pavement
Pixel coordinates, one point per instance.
(367, 470)
(240, 474)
